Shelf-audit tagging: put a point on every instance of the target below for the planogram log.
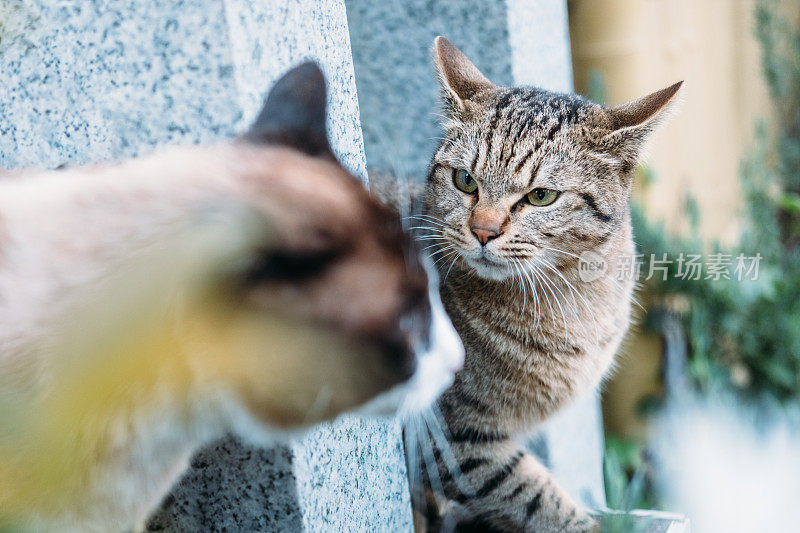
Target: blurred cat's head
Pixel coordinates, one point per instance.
(334, 307)
(526, 176)
(249, 286)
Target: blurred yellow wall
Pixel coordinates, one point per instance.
(639, 46)
(643, 45)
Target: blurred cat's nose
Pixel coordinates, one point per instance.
(484, 235)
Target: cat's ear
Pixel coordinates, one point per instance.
(633, 123)
(460, 80)
(294, 113)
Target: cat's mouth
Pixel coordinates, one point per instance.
(486, 262)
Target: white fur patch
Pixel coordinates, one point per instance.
(436, 367)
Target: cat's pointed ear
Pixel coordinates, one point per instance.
(460, 80)
(294, 112)
(633, 123)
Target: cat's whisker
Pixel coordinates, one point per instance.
(428, 231)
(611, 278)
(577, 293)
(429, 457)
(522, 285)
(513, 277)
(544, 262)
(442, 249)
(536, 299)
(445, 257)
(532, 283)
(440, 438)
(430, 224)
(554, 287)
(413, 452)
(425, 217)
(551, 286)
(536, 306)
(574, 307)
(434, 245)
(442, 422)
(320, 404)
(570, 254)
(430, 228)
(431, 237)
(538, 276)
(451, 268)
(572, 288)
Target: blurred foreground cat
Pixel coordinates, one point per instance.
(148, 307)
(524, 184)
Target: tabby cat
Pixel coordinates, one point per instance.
(524, 182)
(150, 306)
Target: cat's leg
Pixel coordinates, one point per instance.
(504, 487)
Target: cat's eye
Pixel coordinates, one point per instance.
(541, 197)
(465, 182)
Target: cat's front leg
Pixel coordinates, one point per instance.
(504, 488)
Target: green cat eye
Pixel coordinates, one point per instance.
(465, 182)
(541, 197)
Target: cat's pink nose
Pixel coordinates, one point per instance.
(485, 235)
(487, 223)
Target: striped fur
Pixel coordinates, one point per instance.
(535, 334)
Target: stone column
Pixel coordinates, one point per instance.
(84, 81)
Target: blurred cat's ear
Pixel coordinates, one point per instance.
(461, 81)
(633, 123)
(294, 113)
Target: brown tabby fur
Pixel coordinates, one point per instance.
(536, 335)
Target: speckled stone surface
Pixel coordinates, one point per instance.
(231, 486)
(517, 41)
(84, 81)
(351, 476)
(267, 36)
(397, 90)
(88, 81)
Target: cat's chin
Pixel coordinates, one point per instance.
(489, 269)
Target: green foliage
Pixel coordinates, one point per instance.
(628, 480)
(624, 474)
(746, 334)
(740, 335)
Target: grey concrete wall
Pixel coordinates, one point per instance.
(84, 81)
(397, 90)
(524, 42)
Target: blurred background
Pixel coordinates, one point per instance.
(723, 176)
